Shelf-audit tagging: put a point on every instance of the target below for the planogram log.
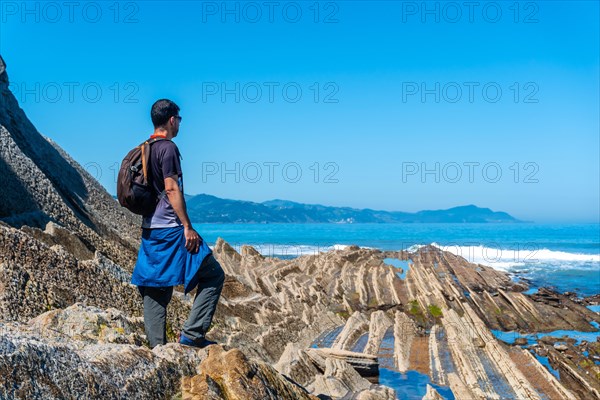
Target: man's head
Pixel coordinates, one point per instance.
(165, 117)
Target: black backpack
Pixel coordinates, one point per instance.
(134, 188)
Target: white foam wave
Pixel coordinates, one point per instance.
(414, 248)
(504, 258)
(338, 247)
(492, 256)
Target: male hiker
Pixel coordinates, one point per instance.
(172, 252)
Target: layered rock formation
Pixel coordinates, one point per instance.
(41, 183)
(88, 352)
(229, 374)
(338, 325)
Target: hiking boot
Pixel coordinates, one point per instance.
(202, 343)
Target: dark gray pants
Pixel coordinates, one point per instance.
(156, 300)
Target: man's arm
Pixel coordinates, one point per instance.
(192, 239)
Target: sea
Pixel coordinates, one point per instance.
(565, 257)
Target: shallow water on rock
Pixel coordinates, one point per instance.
(532, 338)
(326, 339)
(494, 380)
(403, 264)
(594, 308)
(544, 361)
(411, 385)
(386, 350)
(445, 356)
(531, 291)
(360, 344)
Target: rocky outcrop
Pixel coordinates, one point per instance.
(575, 364)
(432, 394)
(35, 278)
(230, 375)
(378, 326)
(268, 303)
(341, 381)
(404, 333)
(357, 324)
(44, 184)
(442, 279)
(87, 352)
(365, 365)
(273, 310)
(442, 329)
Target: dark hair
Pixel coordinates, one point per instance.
(162, 110)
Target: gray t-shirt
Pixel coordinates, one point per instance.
(164, 162)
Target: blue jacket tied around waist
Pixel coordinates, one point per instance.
(163, 259)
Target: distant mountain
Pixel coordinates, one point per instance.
(207, 208)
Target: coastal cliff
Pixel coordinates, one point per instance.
(352, 323)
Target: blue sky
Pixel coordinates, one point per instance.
(386, 105)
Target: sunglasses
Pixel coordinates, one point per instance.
(178, 118)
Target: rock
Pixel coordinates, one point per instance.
(275, 303)
(366, 365)
(340, 380)
(432, 394)
(356, 325)
(56, 365)
(55, 235)
(520, 287)
(542, 351)
(561, 347)
(404, 333)
(549, 339)
(90, 324)
(521, 341)
(378, 326)
(230, 375)
(298, 365)
(48, 185)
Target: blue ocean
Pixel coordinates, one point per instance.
(563, 256)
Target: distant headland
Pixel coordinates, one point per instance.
(212, 209)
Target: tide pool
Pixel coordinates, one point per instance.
(402, 264)
(544, 361)
(411, 385)
(511, 336)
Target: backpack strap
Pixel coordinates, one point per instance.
(144, 164)
(144, 158)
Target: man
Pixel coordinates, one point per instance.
(172, 252)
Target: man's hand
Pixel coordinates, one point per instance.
(192, 240)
